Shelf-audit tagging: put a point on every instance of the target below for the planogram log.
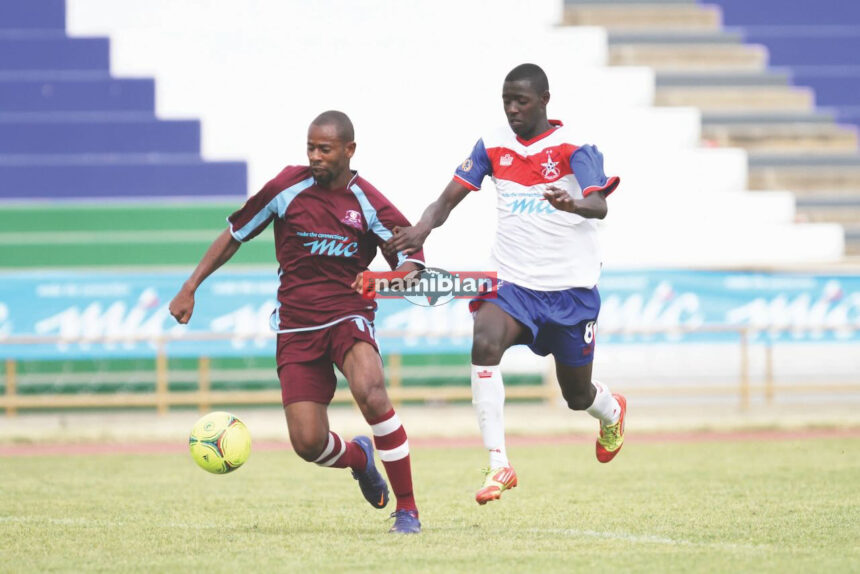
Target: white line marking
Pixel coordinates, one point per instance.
(646, 539)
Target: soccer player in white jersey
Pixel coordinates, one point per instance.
(550, 194)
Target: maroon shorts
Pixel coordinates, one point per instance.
(306, 360)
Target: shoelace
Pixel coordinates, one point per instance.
(612, 431)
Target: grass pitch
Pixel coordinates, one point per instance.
(710, 507)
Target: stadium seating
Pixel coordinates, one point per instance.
(71, 131)
(78, 120)
(435, 93)
(772, 77)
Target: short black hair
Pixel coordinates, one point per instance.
(341, 121)
(533, 74)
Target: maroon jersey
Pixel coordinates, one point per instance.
(323, 239)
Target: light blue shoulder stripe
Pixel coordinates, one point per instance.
(373, 223)
(278, 206)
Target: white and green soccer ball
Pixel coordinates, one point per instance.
(219, 442)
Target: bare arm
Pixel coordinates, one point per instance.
(592, 206)
(221, 250)
(410, 239)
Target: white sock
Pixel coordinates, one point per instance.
(488, 396)
(604, 408)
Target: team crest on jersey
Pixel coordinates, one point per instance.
(466, 165)
(352, 218)
(550, 168)
(506, 160)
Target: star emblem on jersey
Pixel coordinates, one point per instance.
(506, 160)
(352, 218)
(550, 168)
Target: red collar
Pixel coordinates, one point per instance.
(554, 125)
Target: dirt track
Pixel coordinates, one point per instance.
(428, 426)
(443, 442)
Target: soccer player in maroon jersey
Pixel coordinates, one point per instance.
(329, 222)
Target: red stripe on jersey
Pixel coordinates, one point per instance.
(553, 123)
(607, 189)
(546, 166)
(465, 183)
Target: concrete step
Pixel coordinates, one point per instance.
(634, 16)
(766, 117)
(667, 57)
(805, 179)
(828, 207)
(739, 99)
(836, 172)
(852, 239)
(832, 161)
(720, 78)
(720, 36)
(783, 138)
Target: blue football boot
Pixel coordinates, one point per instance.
(373, 486)
(405, 522)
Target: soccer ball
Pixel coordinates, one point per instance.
(219, 442)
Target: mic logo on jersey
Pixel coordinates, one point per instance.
(352, 218)
(332, 247)
(550, 168)
(530, 206)
(329, 244)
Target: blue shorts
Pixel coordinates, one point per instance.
(561, 322)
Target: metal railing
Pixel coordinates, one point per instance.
(205, 397)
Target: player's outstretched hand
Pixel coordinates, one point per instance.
(358, 283)
(559, 199)
(182, 306)
(404, 239)
(359, 287)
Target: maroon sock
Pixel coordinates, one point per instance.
(339, 453)
(389, 437)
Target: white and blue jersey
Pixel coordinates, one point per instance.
(536, 245)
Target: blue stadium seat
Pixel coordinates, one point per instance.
(54, 53)
(781, 12)
(33, 15)
(122, 177)
(136, 94)
(99, 135)
(821, 45)
(69, 130)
